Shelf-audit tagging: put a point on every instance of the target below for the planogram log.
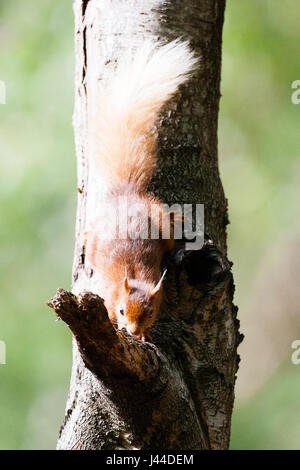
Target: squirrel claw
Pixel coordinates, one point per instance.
(146, 337)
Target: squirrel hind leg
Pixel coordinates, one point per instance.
(175, 219)
(168, 244)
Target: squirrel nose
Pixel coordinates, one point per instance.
(133, 330)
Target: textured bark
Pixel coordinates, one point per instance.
(178, 392)
(104, 351)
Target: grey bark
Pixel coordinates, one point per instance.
(185, 399)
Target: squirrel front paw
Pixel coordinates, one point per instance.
(145, 336)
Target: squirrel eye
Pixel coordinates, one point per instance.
(122, 311)
(151, 314)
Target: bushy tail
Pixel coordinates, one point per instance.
(122, 138)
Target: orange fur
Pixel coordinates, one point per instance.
(122, 145)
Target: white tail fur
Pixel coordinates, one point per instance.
(122, 136)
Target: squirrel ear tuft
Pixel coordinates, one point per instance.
(159, 284)
(126, 285)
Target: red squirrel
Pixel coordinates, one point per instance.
(122, 143)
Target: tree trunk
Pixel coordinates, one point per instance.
(178, 392)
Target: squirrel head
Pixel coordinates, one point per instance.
(138, 305)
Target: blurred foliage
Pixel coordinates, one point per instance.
(37, 212)
(260, 169)
(270, 420)
(259, 136)
(259, 160)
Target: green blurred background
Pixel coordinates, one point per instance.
(260, 167)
